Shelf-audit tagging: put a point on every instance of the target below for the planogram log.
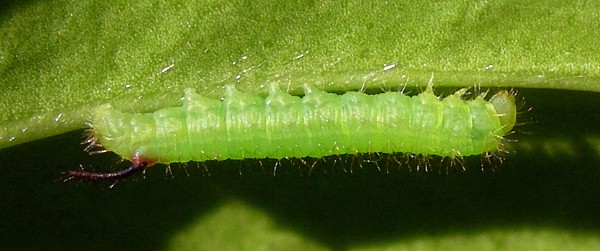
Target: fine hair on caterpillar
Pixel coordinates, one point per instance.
(319, 124)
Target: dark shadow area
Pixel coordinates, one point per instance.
(9, 6)
(336, 208)
(39, 211)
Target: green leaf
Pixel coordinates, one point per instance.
(59, 60)
(247, 228)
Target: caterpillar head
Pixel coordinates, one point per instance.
(504, 103)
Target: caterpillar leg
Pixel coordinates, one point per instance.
(120, 174)
(138, 164)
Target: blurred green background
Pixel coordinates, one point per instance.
(66, 57)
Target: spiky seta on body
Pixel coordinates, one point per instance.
(243, 126)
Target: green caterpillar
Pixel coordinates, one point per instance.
(245, 126)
